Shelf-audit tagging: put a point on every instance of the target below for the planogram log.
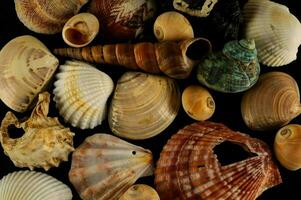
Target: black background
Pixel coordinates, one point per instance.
(227, 106)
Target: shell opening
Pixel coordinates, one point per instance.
(285, 132)
(17, 132)
(210, 102)
(76, 37)
(198, 49)
(134, 152)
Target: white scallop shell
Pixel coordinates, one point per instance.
(81, 93)
(30, 185)
(277, 33)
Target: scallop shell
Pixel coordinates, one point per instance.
(81, 93)
(143, 105)
(278, 44)
(195, 7)
(30, 185)
(47, 17)
(26, 67)
(188, 168)
(140, 192)
(273, 102)
(104, 167)
(45, 142)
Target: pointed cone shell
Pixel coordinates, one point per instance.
(188, 168)
(143, 105)
(30, 185)
(81, 93)
(278, 44)
(140, 192)
(104, 167)
(26, 67)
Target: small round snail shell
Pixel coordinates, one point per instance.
(172, 26)
(80, 30)
(140, 192)
(287, 146)
(198, 102)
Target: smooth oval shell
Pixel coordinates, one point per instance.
(140, 192)
(143, 105)
(30, 185)
(194, 8)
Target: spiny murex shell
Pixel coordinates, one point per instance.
(26, 67)
(31, 185)
(276, 31)
(194, 8)
(45, 142)
(188, 169)
(273, 102)
(235, 69)
(140, 192)
(143, 105)
(104, 167)
(46, 17)
(81, 93)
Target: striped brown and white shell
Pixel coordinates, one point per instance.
(81, 93)
(140, 192)
(143, 105)
(104, 167)
(189, 169)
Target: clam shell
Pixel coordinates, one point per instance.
(143, 105)
(104, 167)
(278, 44)
(81, 93)
(30, 185)
(140, 192)
(189, 169)
(26, 67)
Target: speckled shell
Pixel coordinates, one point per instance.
(188, 169)
(26, 67)
(104, 167)
(194, 8)
(45, 142)
(143, 105)
(81, 93)
(30, 185)
(140, 192)
(278, 44)
(235, 69)
(273, 102)
(47, 17)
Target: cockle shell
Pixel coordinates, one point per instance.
(140, 192)
(273, 102)
(26, 67)
(45, 142)
(143, 105)
(46, 17)
(189, 169)
(235, 69)
(195, 7)
(175, 59)
(104, 167)
(31, 185)
(81, 93)
(172, 26)
(80, 30)
(277, 32)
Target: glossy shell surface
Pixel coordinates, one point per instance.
(140, 192)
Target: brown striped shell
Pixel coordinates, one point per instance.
(188, 169)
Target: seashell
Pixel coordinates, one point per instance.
(278, 44)
(45, 142)
(195, 7)
(189, 169)
(172, 26)
(31, 185)
(80, 30)
(140, 192)
(234, 69)
(175, 59)
(104, 167)
(47, 17)
(136, 113)
(81, 93)
(122, 19)
(273, 102)
(198, 102)
(26, 67)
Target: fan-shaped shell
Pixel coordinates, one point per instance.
(140, 192)
(81, 93)
(143, 105)
(26, 67)
(277, 33)
(273, 102)
(30, 185)
(188, 168)
(104, 167)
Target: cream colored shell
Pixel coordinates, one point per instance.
(140, 192)
(183, 5)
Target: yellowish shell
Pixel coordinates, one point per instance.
(140, 192)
